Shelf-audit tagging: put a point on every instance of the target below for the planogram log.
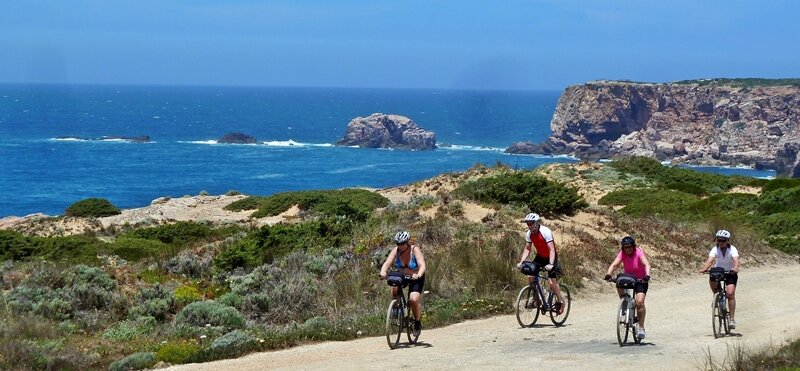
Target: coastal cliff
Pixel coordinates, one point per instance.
(706, 122)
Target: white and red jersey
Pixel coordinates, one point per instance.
(539, 240)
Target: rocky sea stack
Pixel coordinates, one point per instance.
(237, 138)
(387, 131)
(752, 122)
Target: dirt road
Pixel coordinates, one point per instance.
(679, 335)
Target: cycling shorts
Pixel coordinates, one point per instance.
(542, 261)
(730, 279)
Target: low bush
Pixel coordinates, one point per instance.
(676, 178)
(270, 242)
(202, 313)
(130, 330)
(357, 204)
(187, 294)
(135, 361)
(178, 233)
(232, 344)
(537, 192)
(279, 292)
(180, 352)
(642, 202)
(92, 207)
(779, 201)
(153, 302)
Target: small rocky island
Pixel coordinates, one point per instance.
(379, 130)
(237, 138)
(721, 122)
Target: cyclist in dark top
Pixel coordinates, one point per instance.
(408, 258)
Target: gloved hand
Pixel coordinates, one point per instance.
(646, 278)
(607, 277)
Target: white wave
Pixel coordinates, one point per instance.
(462, 147)
(352, 169)
(292, 143)
(212, 141)
(69, 139)
(267, 176)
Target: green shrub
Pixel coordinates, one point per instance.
(232, 192)
(782, 224)
(92, 207)
(537, 192)
(270, 242)
(179, 352)
(779, 183)
(643, 202)
(89, 287)
(676, 178)
(283, 291)
(201, 313)
(357, 204)
(736, 204)
(787, 244)
(179, 233)
(232, 344)
(129, 330)
(15, 246)
(135, 361)
(135, 249)
(779, 200)
(152, 302)
(187, 294)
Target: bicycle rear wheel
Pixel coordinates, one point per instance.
(559, 319)
(527, 308)
(394, 323)
(718, 322)
(622, 321)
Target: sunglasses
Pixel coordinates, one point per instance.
(627, 246)
(530, 223)
(722, 240)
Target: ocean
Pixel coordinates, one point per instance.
(296, 129)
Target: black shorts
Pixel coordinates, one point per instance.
(541, 261)
(730, 279)
(416, 285)
(640, 287)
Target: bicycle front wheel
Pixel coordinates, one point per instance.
(527, 309)
(394, 323)
(412, 335)
(622, 321)
(718, 322)
(559, 319)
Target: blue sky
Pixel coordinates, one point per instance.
(511, 44)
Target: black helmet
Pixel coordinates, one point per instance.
(627, 241)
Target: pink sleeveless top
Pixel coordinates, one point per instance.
(632, 263)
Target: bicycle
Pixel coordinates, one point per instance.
(399, 316)
(627, 320)
(536, 297)
(719, 305)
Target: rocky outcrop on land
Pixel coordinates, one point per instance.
(387, 131)
(701, 122)
(139, 139)
(236, 138)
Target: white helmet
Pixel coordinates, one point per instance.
(402, 237)
(723, 234)
(532, 217)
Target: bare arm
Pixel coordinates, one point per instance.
(421, 262)
(525, 252)
(613, 265)
(646, 263)
(389, 260)
(735, 264)
(707, 264)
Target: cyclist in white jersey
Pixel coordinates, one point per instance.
(727, 257)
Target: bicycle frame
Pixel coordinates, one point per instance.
(400, 317)
(537, 297)
(719, 309)
(627, 318)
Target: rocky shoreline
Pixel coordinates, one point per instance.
(699, 123)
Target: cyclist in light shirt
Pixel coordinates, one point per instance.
(727, 257)
(541, 238)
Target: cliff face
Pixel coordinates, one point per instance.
(712, 124)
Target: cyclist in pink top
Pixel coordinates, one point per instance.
(634, 263)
